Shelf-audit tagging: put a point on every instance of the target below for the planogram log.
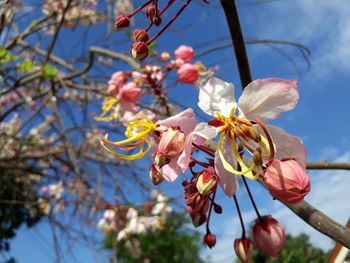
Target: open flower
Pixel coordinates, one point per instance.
(145, 135)
(262, 100)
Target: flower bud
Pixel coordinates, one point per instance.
(244, 249)
(140, 35)
(217, 208)
(207, 181)
(160, 159)
(165, 56)
(139, 50)
(122, 21)
(286, 180)
(172, 142)
(185, 53)
(209, 239)
(188, 74)
(151, 12)
(155, 175)
(157, 20)
(269, 235)
(198, 219)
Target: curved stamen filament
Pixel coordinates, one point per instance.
(136, 137)
(107, 106)
(138, 155)
(228, 166)
(270, 143)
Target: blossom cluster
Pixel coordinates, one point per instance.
(125, 88)
(128, 222)
(77, 13)
(246, 147)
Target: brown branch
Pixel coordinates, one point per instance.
(324, 165)
(234, 25)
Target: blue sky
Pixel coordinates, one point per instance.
(320, 119)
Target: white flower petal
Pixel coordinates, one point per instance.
(206, 131)
(266, 99)
(228, 181)
(217, 96)
(287, 145)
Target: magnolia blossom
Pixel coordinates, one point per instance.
(262, 100)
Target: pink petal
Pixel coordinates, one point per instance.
(217, 96)
(171, 170)
(287, 145)
(228, 181)
(266, 99)
(201, 133)
(185, 119)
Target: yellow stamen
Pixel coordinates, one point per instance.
(108, 106)
(136, 137)
(245, 171)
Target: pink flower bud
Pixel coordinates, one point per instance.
(155, 175)
(209, 239)
(151, 12)
(207, 181)
(244, 249)
(172, 142)
(286, 180)
(116, 82)
(130, 92)
(186, 53)
(165, 56)
(140, 35)
(139, 50)
(122, 21)
(269, 235)
(188, 74)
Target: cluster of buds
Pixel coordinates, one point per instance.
(125, 88)
(140, 48)
(199, 195)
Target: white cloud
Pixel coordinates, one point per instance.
(323, 26)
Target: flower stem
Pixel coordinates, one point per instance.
(140, 8)
(169, 23)
(240, 216)
(210, 209)
(251, 197)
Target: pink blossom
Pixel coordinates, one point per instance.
(185, 53)
(187, 124)
(117, 80)
(269, 235)
(130, 92)
(172, 142)
(286, 180)
(188, 74)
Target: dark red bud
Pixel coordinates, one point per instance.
(151, 12)
(157, 20)
(122, 21)
(140, 35)
(209, 239)
(139, 50)
(217, 208)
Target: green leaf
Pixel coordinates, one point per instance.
(26, 66)
(152, 46)
(49, 71)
